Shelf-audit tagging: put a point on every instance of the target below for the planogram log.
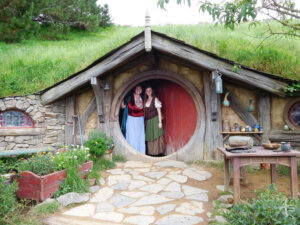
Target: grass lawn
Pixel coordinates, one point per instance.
(35, 64)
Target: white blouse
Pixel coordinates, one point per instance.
(157, 103)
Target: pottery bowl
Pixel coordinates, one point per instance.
(271, 146)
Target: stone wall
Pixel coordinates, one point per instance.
(49, 124)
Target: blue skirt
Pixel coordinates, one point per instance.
(135, 133)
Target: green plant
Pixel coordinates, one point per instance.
(7, 199)
(268, 208)
(97, 147)
(41, 164)
(46, 208)
(94, 134)
(292, 88)
(118, 158)
(94, 174)
(102, 164)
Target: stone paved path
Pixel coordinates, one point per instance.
(143, 193)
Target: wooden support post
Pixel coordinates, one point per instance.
(99, 94)
(264, 115)
(70, 131)
(236, 179)
(293, 177)
(213, 136)
(273, 173)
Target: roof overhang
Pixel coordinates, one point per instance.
(172, 47)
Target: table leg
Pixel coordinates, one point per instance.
(293, 178)
(226, 174)
(236, 179)
(273, 173)
(244, 172)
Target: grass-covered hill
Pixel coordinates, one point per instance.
(33, 65)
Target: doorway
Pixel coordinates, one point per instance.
(178, 110)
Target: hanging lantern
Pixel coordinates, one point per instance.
(106, 86)
(218, 82)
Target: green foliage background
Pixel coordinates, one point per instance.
(35, 64)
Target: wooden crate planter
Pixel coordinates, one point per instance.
(39, 188)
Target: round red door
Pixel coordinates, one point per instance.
(179, 114)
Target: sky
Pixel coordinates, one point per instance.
(132, 12)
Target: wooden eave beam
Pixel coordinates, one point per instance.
(99, 95)
(200, 59)
(118, 58)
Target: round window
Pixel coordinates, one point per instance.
(294, 114)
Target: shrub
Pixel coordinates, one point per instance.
(268, 208)
(97, 147)
(93, 134)
(41, 164)
(7, 199)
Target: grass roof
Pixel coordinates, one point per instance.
(34, 64)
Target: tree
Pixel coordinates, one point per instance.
(231, 13)
(20, 19)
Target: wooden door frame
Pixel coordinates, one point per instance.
(195, 145)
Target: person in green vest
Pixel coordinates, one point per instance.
(153, 122)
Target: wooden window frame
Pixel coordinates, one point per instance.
(20, 127)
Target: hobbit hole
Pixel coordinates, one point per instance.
(178, 111)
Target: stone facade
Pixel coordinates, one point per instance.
(49, 124)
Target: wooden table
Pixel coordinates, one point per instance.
(260, 155)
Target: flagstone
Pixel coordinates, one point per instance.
(197, 175)
(119, 177)
(122, 185)
(199, 197)
(111, 182)
(153, 188)
(116, 171)
(81, 211)
(136, 164)
(102, 195)
(190, 208)
(102, 181)
(136, 184)
(121, 200)
(140, 220)
(178, 178)
(109, 216)
(104, 207)
(163, 181)
(171, 163)
(179, 219)
(151, 200)
(189, 190)
(143, 210)
(134, 194)
(173, 194)
(174, 186)
(140, 177)
(142, 170)
(163, 209)
(155, 175)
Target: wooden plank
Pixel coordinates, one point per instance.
(226, 173)
(213, 137)
(264, 115)
(279, 135)
(20, 131)
(99, 94)
(69, 127)
(87, 113)
(120, 57)
(201, 59)
(241, 110)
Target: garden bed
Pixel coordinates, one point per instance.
(39, 188)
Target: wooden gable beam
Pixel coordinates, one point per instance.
(70, 122)
(198, 58)
(99, 95)
(120, 57)
(86, 114)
